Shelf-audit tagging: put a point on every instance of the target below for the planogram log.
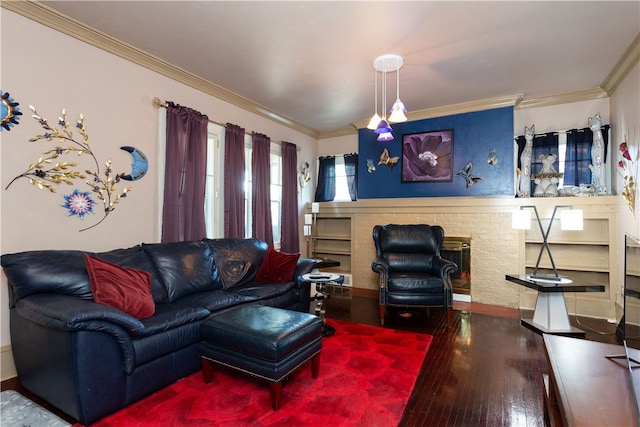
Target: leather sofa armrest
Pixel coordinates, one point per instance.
(70, 313)
(304, 266)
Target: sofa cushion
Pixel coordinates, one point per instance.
(237, 259)
(120, 287)
(171, 316)
(169, 330)
(135, 257)
(47, 271)
(185, 267)
(264, 291)
(276, 267)
(214, 300)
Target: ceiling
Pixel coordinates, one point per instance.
(311, 62)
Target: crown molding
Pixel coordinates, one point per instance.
(562, 98)
(337, 132)
(629, 59)
(46, 16)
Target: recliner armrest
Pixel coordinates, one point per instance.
(381, 266)
(444, 268)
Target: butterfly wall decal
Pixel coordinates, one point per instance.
(469, 179)
(385, 159)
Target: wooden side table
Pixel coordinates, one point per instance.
(321, 280)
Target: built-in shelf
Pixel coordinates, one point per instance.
(332, 241)
(585, 256)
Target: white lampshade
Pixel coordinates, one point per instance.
(373, 123)
(315, 207)
(397, 112)
(571, 219)
(308, 219)
(521, 219)
(307, 230)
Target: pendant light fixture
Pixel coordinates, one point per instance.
(397, 110)
(375, 119)
(383, 64)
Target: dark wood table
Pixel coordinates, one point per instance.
(584, 388)
(326, 263)
(550, 315)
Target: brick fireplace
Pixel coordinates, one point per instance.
(458, 250)
(483, 222)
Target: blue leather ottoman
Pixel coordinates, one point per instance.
(266, 342)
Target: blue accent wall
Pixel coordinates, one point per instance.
(475, 134)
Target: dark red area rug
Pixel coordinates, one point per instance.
(366, 377)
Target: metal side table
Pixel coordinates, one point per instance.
(321, 280)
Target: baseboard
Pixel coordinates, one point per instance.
(461, 297)
(7, 367)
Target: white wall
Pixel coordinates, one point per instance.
(338, 145)
(51, 71)
(561, 117)
(625, 125)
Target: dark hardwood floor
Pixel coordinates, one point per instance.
(484, 370)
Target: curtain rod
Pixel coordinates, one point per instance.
(157, 103)
(560, 132)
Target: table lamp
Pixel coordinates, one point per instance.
(308, 222)
(571, 219)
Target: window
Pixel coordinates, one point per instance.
(337, 178)
(342, 188)
(213, 199)
(276, 193)
(248, 220)
(214, 209)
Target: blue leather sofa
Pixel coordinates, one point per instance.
(89, 359)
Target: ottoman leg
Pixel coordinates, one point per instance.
(207, 370)
(276, 394)
(315, 365)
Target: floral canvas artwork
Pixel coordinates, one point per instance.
(427, 156)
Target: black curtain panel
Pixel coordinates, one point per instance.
(351, 169)
(578, 157)
(326, 188)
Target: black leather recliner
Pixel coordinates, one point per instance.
(412, 272)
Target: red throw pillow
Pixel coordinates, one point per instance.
(122, 288)
(277, 267)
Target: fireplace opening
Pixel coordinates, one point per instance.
(458, 250)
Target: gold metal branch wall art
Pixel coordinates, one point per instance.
(50, 171)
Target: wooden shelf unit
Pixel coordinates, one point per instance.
(332, 240)
(587, 256)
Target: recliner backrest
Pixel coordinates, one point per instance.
(408, 247)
